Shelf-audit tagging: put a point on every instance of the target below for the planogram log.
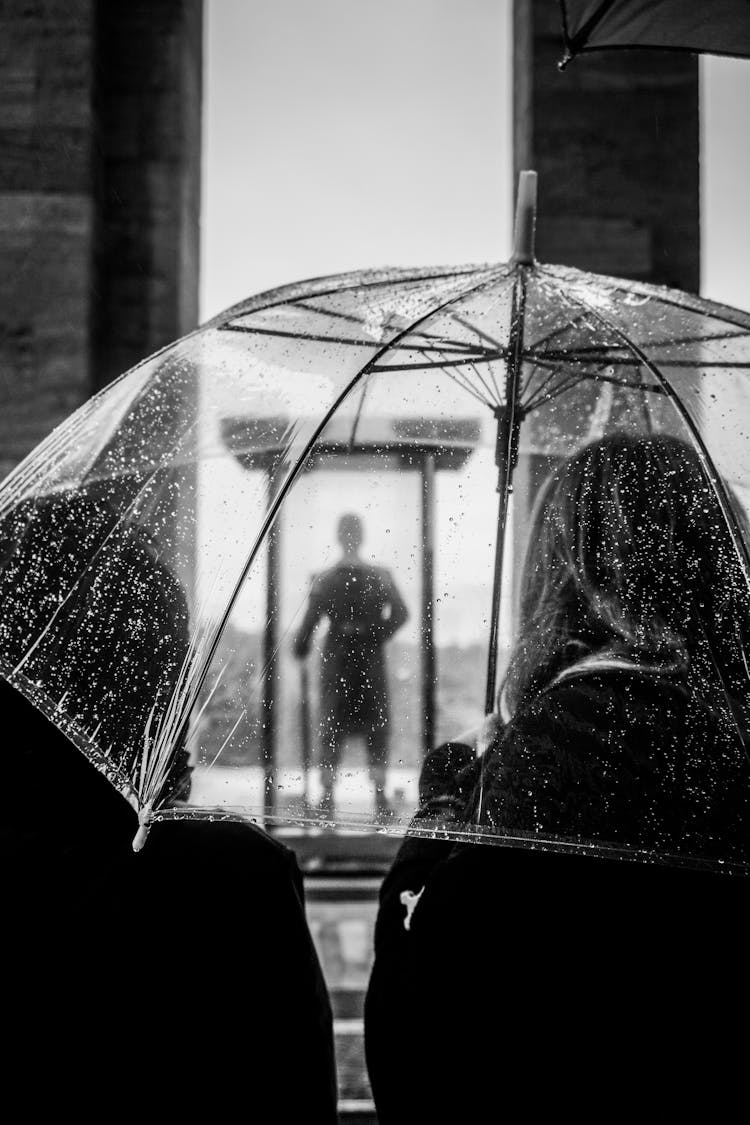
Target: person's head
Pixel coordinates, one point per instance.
(350, 533)
(629, 554)
(96, 620)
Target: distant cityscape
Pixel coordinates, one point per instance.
(235, 705)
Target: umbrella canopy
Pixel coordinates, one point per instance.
(718, 27)
(421, 486)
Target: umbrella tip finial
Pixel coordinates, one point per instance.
(145, 818)
(525, 228)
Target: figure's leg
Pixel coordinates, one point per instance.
(377, 737)
(330, 752)
(377, 752)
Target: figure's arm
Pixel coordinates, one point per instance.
(313, 614)
(399, 614)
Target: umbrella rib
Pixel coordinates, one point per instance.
(468, 361)
(491, 401)
(539, 392)
(573, 45)
(351, 318)
(477, 331)
(495, 385)
(587, 355)
(707, 364)
(348, 340)
(555, 332)
(277, 332)
(226, 741)
(565, 385)
(465, 386)
(597, 376)
(360, 408)
(584, 355)
(719, 336)
(461, 380)
(602, 367)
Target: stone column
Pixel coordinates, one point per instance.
(615, 140)
(46, 217)
(147, 107)
(99, 198)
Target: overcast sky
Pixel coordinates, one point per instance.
(341, 134)
(344, 134)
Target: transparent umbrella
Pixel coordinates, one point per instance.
(270, 569)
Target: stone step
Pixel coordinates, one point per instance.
(357, 1113)
(347, 1003)
(353, 1083)
(341, 912)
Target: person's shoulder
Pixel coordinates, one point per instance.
(601, 686)
(569, 713)
(321, 580)
(231, 847)
(586, 707)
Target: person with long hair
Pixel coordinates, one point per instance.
(618, 780)
(634, 627)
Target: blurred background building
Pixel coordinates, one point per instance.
(284, 138)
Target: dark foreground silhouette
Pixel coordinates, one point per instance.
(529, 984)
(180, 977)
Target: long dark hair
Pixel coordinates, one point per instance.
(630, 558)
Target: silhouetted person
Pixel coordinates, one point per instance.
(592, 965)
(187, 970)
(364, 609)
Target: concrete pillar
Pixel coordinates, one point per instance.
(147, 105)
(46, 217)
(99, 198)
(615, 140)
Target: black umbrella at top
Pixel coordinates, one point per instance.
(717, 27)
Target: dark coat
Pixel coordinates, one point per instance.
(157, 981)
(364, 609)
(533, 985)
(624, 757)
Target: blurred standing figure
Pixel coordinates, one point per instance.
(364, 609)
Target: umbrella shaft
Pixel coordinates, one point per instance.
(506, 453)
(504, 488)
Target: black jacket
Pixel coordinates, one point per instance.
(532, 984)
(160, 981)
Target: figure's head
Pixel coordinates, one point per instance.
(350, 532)
(629, 552)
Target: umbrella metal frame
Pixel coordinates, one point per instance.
(426, 457)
